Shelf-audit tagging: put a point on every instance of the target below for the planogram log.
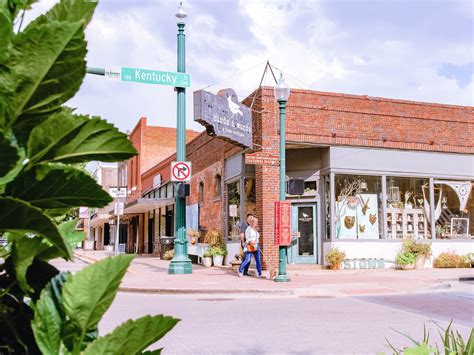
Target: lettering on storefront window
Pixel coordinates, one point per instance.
(365, 263)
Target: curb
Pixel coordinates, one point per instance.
(205, 291)
(466, 278)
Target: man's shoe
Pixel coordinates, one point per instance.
(240, 274)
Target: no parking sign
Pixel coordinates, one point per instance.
(181, 171)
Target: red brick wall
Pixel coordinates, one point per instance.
(339, 119)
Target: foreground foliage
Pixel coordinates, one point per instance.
(453, 343)
(41, 143)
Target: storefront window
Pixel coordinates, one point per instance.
(233, 209)
(169, 190)
(218, 185)
(327, 201)
(408, 207)
(358, 208)
(454, 211)
(201, 192)
(250, 200)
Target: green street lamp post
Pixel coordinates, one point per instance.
(180, 263)
(282, 92)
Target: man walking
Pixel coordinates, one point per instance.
(243, 228)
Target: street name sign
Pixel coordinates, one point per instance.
(147, 76)
(181, 171)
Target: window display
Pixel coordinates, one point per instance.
(358, 208)
(408, 207)
(233, 209)
(456, 209)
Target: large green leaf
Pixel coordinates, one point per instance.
(53, 187)
(57, 130)
(133, 336)
(90, 292)
(69, 11)
(48, 321)
(6, 29)
(8, 155)
(95, 140)
(24, 250)
(65, 137)
(70, 234)
(20, 216)
(44, 84)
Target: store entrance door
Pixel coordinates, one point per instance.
(303, 249)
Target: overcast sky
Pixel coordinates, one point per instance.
(407, 49)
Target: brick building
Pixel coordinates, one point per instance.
(375, 171)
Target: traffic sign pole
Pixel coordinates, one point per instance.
(180, 264)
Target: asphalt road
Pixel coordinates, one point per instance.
(270, 325)
(223, 324)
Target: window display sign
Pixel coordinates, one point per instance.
(367, 216)
(224, 116)
(283, 223)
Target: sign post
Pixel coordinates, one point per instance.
(118, 210)
(181, 264)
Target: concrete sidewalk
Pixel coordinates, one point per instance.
(150, 275)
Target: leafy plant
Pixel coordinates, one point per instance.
(405, 258)
(41, 143)
(169, 254)
(451, 260)
(453, 343)
(207, 254)
(417, 248)
(335, 257)
(218, 250)
(213, 238)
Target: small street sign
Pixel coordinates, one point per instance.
(118, 192)
(181, 171)
(147, 76)
(283, 223)
(261, 158)
(233, 210)
(118, 208)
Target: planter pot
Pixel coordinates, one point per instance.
(335, 266)
(88, 245)
(218, 260)
(407, 266)
(207, 262)
(420, 263)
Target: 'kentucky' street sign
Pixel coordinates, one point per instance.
(146, 76)
(224, 116)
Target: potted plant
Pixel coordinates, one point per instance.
(218, 252)
(420, 250)
(207, 259)
(194, 235)
(335, 257)
(406, 260)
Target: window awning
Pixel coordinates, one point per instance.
(143, 205)
(100, 219)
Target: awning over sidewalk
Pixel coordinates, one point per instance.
(100, 219)
(143, 205)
